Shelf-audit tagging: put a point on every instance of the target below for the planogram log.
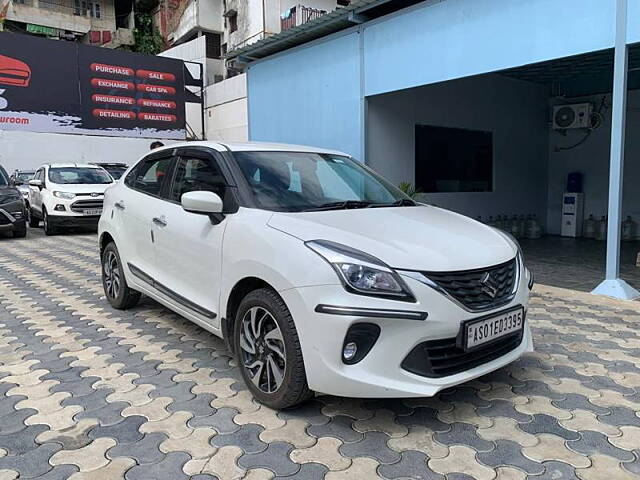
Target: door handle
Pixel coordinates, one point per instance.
(119, 205)
(160, 221)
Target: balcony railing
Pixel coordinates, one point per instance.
(299, 15)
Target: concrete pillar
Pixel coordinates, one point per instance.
(613, 285)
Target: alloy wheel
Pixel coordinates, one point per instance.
(263, 350)
(111, 274)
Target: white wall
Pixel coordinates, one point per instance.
(592, 159)
(516, 112)
(28, 150)
(226, 113)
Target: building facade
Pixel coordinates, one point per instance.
(107, 23)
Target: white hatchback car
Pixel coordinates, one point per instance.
(320, 275)
(67, 195)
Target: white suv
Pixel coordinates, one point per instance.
(320, 275)
(67, 195)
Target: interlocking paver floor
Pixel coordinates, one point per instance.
(88, 392)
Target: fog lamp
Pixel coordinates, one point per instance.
(349, 351)
(59, 208)
(359, 341)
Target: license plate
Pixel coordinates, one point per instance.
(480, 331)
(92, 211)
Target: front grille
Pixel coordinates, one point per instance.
(80, 206)
(440, 358)
(467, 286)
(4, 220)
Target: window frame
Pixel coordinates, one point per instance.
(159, 156)
(208, 155)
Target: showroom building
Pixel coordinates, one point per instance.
(486, 106)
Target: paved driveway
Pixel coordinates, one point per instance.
(87, 392)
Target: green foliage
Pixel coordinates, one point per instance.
(409, 190)
(148, 39)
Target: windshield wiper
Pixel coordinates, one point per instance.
(346, 204)
(403, 202)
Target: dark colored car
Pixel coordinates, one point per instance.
(13, 213)
(114, 169)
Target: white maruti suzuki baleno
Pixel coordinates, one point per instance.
(320, 275)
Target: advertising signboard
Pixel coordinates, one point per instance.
(62, 87)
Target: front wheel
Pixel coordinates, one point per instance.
(115, 286)
(48, 228)
(268, 349)
(20, 232)
(33, 221)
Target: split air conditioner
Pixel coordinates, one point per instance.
(577, 115)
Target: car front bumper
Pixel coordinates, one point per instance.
(380, 373)
(11, 220)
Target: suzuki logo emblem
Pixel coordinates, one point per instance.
(488, 285)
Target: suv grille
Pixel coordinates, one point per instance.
(440, 358)
(80, 206)
(479, 289)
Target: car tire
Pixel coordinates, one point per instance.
(281, 381)
(48, 228)
(116, 289)
(20, 232)
(34, 222)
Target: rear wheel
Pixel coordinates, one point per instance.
(34, 222)
(115, 286)
(268, 349)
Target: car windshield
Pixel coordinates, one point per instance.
(296, 181)
(78, 175)
(115, 172)
(24, 177)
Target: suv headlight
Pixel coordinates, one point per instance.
(65, 195)
(362, 273)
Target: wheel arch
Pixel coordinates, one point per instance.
(240, 290)
(105, 239)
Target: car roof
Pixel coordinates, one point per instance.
(72, 165)
(252, 147)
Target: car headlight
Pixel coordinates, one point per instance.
(65, 195)
(360, 272)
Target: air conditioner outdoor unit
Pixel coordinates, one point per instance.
(577, 115)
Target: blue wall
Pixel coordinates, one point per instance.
(314, 94)
(309, 96)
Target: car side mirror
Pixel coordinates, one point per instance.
(17, 183)
(205, 203)
(35, 183)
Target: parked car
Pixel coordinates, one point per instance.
(67, 195)
(319, 274)
(20, 180)
(114, 169)
(13, 213)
